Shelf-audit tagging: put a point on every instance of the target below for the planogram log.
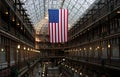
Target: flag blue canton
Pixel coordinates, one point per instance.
(53, 15)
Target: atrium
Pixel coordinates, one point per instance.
(59, 38)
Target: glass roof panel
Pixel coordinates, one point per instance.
(38, 9)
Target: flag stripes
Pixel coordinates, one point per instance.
(58, 30)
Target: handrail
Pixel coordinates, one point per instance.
(95, 61)
(99, 39)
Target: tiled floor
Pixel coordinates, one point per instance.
(51, 71)
(37, 71)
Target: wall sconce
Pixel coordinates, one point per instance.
(108, 45)
(17, 51)
(18, 24)
(63, 59)
(18, 46)
(80, 73)
(90, 48)
(21, 28)
(98, 47)
(2, 49)
(75, 70)
(69, 67)
(24, 48)
(13, 19)
(6, 12)
(102, 48)
(84, 48)
(28, 49)
(46, 17)
(76, 50)
(118, 11)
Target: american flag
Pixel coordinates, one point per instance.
(58, 25)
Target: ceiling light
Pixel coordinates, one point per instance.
(46, 17)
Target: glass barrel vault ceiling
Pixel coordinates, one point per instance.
(38, 9)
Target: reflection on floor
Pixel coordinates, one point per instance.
(37, 71)
(46, 69)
